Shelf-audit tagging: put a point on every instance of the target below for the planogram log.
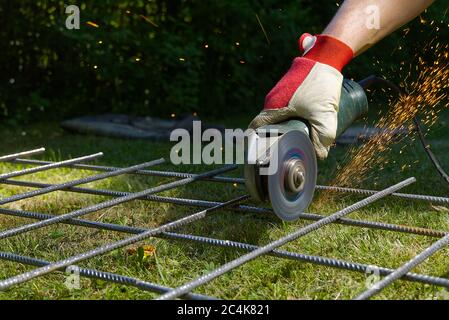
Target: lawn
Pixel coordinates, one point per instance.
(174, 263)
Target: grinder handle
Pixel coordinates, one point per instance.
(353, 105)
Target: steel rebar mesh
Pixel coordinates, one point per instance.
(239, 181)
(334, 263)
(391, 274)
(278, 243)
(241, 208)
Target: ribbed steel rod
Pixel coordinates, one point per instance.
(4, 284)
(110, 203)
(240, 181)
(164, 174)
(112, 193)
(328, 262)
(58, 187)
(21, 154)
(400, 272)
(242, 208)
(278, 243)
(119, 228)
(439, 200)
(49, 166)
(101, 275)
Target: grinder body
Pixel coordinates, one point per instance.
(285, 170)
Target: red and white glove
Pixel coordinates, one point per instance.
(310, 90)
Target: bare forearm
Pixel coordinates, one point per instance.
(352, 25)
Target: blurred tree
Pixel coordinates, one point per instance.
(163, 57)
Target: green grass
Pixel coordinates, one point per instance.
(176, 263)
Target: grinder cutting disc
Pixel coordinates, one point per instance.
(292, 186)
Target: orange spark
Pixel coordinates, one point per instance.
(92, 24)
(149, 21)
(428, 96)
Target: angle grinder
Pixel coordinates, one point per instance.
(282, 165)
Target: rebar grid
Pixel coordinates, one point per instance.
(164, 231)
(328, 262)
(278, 243)
(238, 181)
(101, 275)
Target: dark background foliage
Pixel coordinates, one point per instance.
(159, 57)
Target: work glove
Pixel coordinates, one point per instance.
(310, 90)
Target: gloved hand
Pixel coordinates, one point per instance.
(310, 90)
